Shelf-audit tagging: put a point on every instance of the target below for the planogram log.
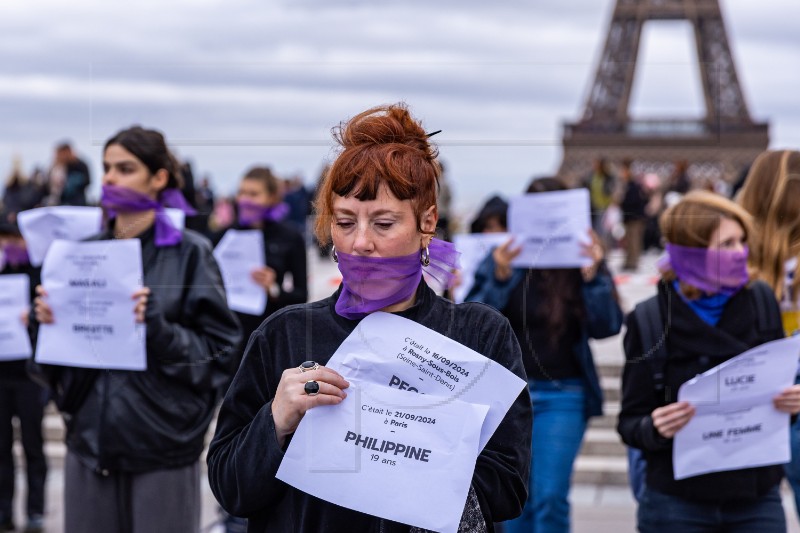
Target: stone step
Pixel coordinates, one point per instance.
(54, 451)
(609, 418)
(602, 442)
(53, 428)
(600, 470)
(609, 370)
(611, 386)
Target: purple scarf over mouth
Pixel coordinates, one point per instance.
(712, 271)
(116, 199)
(250, 212)
(373, 283)
(15, 255)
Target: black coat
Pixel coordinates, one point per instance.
(142, 421)
(693, 346)
(634, 201)
(244, 456)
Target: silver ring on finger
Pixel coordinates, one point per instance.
(311, 387)
(308, 366)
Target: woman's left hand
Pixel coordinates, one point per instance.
(265, 277)
(788, 401)
(593, 250)
(141, 297)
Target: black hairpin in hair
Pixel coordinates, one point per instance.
(433, 133)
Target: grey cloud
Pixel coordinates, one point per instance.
(508, 70)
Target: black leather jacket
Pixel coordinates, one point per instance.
(142, 421)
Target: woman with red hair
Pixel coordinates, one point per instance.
(378, 206)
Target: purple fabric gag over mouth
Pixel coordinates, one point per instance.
(373, 283)
(250, 212)
(116, 199)
(710, 270)
(15, 255)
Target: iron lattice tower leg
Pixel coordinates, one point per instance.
(726, 138)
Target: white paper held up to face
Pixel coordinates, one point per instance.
(90, 287)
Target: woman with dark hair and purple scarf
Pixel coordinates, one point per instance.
(554, 313)
(134, 437)
(284, 277)
(378, 206)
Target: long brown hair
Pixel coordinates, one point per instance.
(771, 193)
(561, 287)
(382, 145)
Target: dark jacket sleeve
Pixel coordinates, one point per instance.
(603, 314)
(639, 399)
(297, 265)
(502, 468)
(197, 349)
(488, 289)
(244, 455)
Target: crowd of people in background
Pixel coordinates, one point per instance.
(626, 202)
(552, 313)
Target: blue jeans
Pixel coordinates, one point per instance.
(637, 470)
(792, 469)
(559, 423)
(664, 513)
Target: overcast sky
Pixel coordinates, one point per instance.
(237, 82)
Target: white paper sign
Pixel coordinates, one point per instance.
(90, 287)
(551, 226)
(736, 425)
(393, 351)
(15, 296)
(388, 453)
(474, 248)
(40, 227)
(238, 254)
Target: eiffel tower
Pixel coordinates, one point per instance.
(722, 143)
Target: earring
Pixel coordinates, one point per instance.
(333, 254)
(425, 257)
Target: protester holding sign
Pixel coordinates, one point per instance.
(259, 207)
(134, 437)
(20, 396)
(553, 313)
(378, 204)
(708, 312)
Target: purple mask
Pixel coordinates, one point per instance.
(15, 255)
(373, 283)
(250, 213)
(116, 199)
(711, 271)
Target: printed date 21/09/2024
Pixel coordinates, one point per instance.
(414, 418)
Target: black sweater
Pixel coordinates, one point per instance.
(693, 346)
(244, 456)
